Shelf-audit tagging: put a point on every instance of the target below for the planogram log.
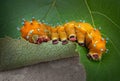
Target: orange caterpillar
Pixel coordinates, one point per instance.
(83, 33)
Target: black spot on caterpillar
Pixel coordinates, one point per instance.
(82, 33)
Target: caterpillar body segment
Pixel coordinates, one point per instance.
(54, 35)
(85, 26)
(81, 30)
(96, 44)
(48, 31)
(80, 33)
(62, 34)
(70, 30)
(83, 33)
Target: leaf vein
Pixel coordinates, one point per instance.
(51, 5)
(86, 3)
(102, 14)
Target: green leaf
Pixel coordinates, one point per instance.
(100, 13)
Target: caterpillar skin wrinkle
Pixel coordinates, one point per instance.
(82, 33)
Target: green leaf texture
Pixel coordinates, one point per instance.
(103, 14)
(18, 52)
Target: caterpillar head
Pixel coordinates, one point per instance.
(96, 45)
(96, 49)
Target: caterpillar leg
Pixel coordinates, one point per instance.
(70, 30)
(62, 35)
(54, 35)
(80, 33)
